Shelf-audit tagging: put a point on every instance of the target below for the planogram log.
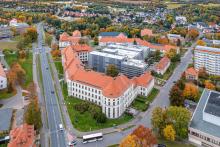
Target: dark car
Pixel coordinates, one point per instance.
(161, 145)
(52, 92)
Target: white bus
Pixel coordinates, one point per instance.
(92, 137)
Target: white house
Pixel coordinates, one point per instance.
(3, 78)
(162, 66)
(66, 40)
(114, 95)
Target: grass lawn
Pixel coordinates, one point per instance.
(26, 65)
(8, 45)
(173, 5)
(4, 94)
(141, 103)
(59, 68)
(3, 145)
(174, 143)
(169, 71)
(114, 145)
(85, 122)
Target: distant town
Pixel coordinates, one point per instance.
(109, 73)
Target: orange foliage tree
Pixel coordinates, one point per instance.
(129, 141)
(209, 85)
(163, 40)
(145, 136)
(191, 91)
(193, 33)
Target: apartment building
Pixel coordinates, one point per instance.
(204, 126)
(207, 57)
(114, 95)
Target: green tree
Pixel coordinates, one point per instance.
(179, 117)
(112, 70)
(157, 120)
(33, 115)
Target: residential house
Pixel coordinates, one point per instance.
(191, 74)
(162, 66)
(66, 40)
(146, 32)
(176, 39)
(22, 136)
(112, 35)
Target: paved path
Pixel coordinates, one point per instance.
(15, 102)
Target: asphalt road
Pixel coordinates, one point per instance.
(57, 138)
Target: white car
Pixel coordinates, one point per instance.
(61, 127)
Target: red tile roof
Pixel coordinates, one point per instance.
(145, 32)
(74, 39)
(81, 48)
(2, 72)
(23, 136)
(191, 71)
(163, 48)
(76, 33)
(111, 87)
(162, 63)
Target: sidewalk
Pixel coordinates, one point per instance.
(43, 133)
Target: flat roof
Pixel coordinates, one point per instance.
(211, 49)
(122, 52)
(107, 55)
(137, 63)
(213, 104)
(137, 48)
(197, 121)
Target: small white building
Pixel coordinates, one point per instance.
(181, 20)
(3, 78)
(66, 40)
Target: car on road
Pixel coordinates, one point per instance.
(61, 127)
(72, 143)
(52, 92)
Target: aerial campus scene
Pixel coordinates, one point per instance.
(109, 73)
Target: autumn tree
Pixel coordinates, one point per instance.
(201, 42)
(203, 74)
(169, 133)
(112, 70)
(20, 72)
(145, 136)
(32, 34)
(193, 33)
(12, 77)
(163, 40)
(56, 53)
(54, 46)
(129, 141)
(33, 114)
(96, 40)
(191, 92)
(157, 120)
(171, 54)
(209, 85)
(176, 97)
(48, 39)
